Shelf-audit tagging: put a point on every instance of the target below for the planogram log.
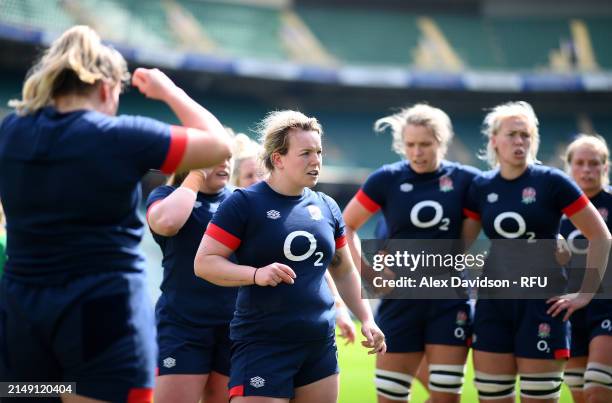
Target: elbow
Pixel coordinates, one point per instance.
(199, 268)
(165, 227)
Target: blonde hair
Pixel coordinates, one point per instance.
(493, 121)
(75, 63)
(434, 119)
(274, 132)
(244, 149)
(597, 143)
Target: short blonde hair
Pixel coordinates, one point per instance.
(274, 132)
(493, 121)
(244, 148)
(75, 63)
(597, 143)
(434, 119)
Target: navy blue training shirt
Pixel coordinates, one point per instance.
(189, 297)
(69, 186)
(302, 232)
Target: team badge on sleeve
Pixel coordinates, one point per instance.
(446, 184)
(315, 212)
(529, 195)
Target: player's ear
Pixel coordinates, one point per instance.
(276, 159)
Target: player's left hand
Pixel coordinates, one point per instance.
(569, 303)
(375, 339)
(345, 325)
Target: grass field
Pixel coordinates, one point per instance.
(357, 373)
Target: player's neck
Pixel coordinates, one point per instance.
(510, 172)
(282, 187)
(71, 103)
(590, 193)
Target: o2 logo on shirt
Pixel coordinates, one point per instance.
(437, 218)
(311, 250)
(520, 223)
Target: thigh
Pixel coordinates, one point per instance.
(448, 323)
(493, 329)
(538, 335)
(112, 329)
(265, 369)
(184, 349)
(321, 363)
(179, 388)
(322, 391)
(216, 390)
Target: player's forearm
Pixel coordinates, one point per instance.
(191, 113)
(169, 215)
(349, 288)
(220, 271)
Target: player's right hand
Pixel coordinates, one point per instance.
(274, 274)
(153, 83)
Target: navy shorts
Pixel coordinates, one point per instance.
(275, 369)
(593, 320)
(97, 330)
(520, 327)
(409, 325)
(190, 349)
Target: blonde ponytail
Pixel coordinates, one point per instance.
(75, 63)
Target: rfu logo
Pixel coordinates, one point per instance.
(492, 197)
(315, 212)
(169, 362)
(273, 214)
(257, 382)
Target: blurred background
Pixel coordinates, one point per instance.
(348, 63)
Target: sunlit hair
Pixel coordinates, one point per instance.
(2, 223)
(435, 119)
(493, 121)
(75, 63)
(596, 143)
(274, 132)
(244, 149)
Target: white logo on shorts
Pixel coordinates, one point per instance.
(492, 197)
(257, 382)
(169, 362)
(273, 214)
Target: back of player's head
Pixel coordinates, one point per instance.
(75, 63)
(274, 132)
(594, 142)
(243, 149)
(435, 119)
(492, 123)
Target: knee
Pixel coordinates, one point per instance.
(541, 385)
(393, 385)
(494, 386)
(446, 379)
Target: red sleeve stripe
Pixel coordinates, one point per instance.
(178, 145)
(221, 235)
(562, 353)
(140, 395)
(151, 208)
(236, 391)
(366, 202)
(340, 242)
(576, 206)
(471, 214)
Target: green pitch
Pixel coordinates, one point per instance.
(357, 374)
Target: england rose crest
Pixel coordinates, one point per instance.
(544, 330)
(446, 184)
(529, 195)
(461, 318)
